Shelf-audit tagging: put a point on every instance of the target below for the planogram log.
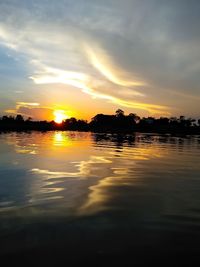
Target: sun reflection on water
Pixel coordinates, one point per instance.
(60, 139)
(84, 173)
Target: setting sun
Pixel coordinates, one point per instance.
(59, 116)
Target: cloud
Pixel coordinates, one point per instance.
(137, 54)
(32, 110)
(27, 104)
(101, 62)
(83, 82)
(19, 92)
(37, 113)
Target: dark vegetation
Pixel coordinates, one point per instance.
(119, 122)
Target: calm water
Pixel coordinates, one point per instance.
(96, 198)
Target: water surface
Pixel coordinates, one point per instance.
(100, 198)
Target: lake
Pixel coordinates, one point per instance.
(100, 198)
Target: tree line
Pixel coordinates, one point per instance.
(118, 122)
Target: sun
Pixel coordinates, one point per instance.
(60, 116)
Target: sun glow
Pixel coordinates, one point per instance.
(60, 116)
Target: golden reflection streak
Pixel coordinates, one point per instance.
(31, 149)
(54, 174)
(84, 170)
(61, 139)
(104, 172)
(98, 195)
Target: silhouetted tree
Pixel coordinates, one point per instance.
(117, 123)
(5, 118)
(19, 117)
(134, 116)
(29, 119)
(119, 113)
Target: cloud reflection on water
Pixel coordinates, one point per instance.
(80, 173)
(91, 178)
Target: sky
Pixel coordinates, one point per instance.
(86, 57)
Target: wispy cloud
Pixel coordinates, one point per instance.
(27, 104)
(33, 110)
(134, 54)
(83, 82)
(102, 63)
